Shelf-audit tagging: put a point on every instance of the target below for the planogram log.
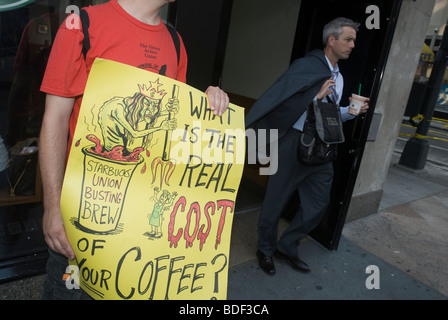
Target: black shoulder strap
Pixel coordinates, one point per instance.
(86, 43)
(176, 40)
(85, 29)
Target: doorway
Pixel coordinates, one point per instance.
(244, 46)
(261, 40)
(363, 73)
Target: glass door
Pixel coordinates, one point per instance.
(365, 66)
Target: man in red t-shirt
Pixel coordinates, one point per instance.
(126, 31)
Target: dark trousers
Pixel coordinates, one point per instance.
(313, 183)
(55, 287)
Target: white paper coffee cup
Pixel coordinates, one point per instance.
(356, 104)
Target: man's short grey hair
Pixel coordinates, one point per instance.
(335, 26)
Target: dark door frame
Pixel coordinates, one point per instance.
(204, 26)
(366, 65)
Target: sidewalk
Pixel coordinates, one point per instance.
(406, 240)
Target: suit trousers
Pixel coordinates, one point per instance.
(313, 184)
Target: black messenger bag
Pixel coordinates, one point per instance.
(322, 132)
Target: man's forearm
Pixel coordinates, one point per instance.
(52, 153)
(52, 159)
(53, 147)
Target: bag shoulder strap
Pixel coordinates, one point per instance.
(85, 30)
(175, 38)
(85, 22)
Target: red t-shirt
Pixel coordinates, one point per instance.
(114, 35)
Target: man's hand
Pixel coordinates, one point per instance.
(55, 235)
(325, 90)
(364, 107)
(218, 99)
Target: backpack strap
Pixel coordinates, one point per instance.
(86, 43)
(85, 29)
(175, 38)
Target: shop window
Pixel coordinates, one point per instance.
(27, 31)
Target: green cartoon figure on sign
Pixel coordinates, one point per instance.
(162, 203)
